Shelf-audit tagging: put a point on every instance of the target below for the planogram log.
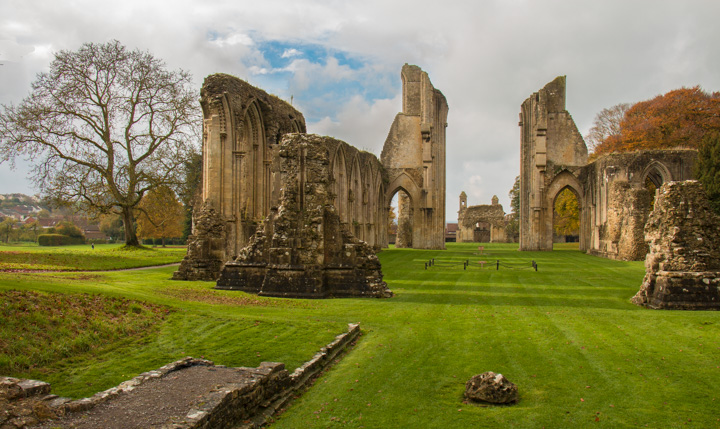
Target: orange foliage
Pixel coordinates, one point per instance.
(679, 118)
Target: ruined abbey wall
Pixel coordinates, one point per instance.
(612, 195)
(618, 203)
(342, 215)
(414, 157)
(304, 249)
(483, 223)
(550, 143)
(242, 181)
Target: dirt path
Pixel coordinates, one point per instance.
(156, 403)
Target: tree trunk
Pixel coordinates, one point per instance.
(129, 224)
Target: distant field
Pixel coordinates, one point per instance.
(580, 352)
(84, 257)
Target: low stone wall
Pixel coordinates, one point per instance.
(24, 403)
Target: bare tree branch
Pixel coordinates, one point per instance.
(105, 126)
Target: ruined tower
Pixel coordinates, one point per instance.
(550, 144)
(414, 157)
(613, 195)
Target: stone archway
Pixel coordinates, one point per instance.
(612, 190)
(409, 224)
(564, 180)
(415, 151)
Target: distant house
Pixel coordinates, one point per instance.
(48, 222)
(451, 230)
(92, 232)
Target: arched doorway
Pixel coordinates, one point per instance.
(654, 175)
(566, 217)
(401, 230)
(562, 182)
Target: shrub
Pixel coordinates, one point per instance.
(69, 229)
(58, 240)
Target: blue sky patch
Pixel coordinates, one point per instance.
(320, 94)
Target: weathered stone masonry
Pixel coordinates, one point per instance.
(683, 265)
(611, 191)
(242, 126)
(483, 223)
(248, 398)
(414, 157)
(244, 182)
(303, 249)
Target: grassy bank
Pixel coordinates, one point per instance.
(84, 257)
(566, 334)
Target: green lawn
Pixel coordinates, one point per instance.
(84, 257)
(581, 354)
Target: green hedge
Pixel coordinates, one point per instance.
(58, 240)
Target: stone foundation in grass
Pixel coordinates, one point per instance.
(189, 393)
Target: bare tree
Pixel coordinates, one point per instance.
(606, 124)
(104, 126)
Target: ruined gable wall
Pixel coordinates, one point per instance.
(303, 249)
(550, 144)
(242, 126)
(486, 213)
(613, 199)
(414, 157)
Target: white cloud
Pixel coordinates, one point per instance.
(361, 124)
(486, 56)
(232, 40)
(10, 50)
(288, 53)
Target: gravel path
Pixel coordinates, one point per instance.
(155, 402)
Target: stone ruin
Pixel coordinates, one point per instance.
(242, 128)
(491, 387)
(482, 223)
(245, 179)
(614, 193)
(303, 250)
(414, 158)
(683, 265)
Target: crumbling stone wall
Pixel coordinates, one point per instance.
(414, 157)
(242, 126)
(242, 180)
(618, 203)
(469, 217)
(550, 144)
(612, 195)
(683, 265)
(206, 256)
(303, 249)
(248, 399)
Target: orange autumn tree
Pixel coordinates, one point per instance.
(160, 215)
(566, 220)
(678, 119)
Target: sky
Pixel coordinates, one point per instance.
(339, 61)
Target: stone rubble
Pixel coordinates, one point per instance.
(302, 249)
(683, 264)
(491, 387)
